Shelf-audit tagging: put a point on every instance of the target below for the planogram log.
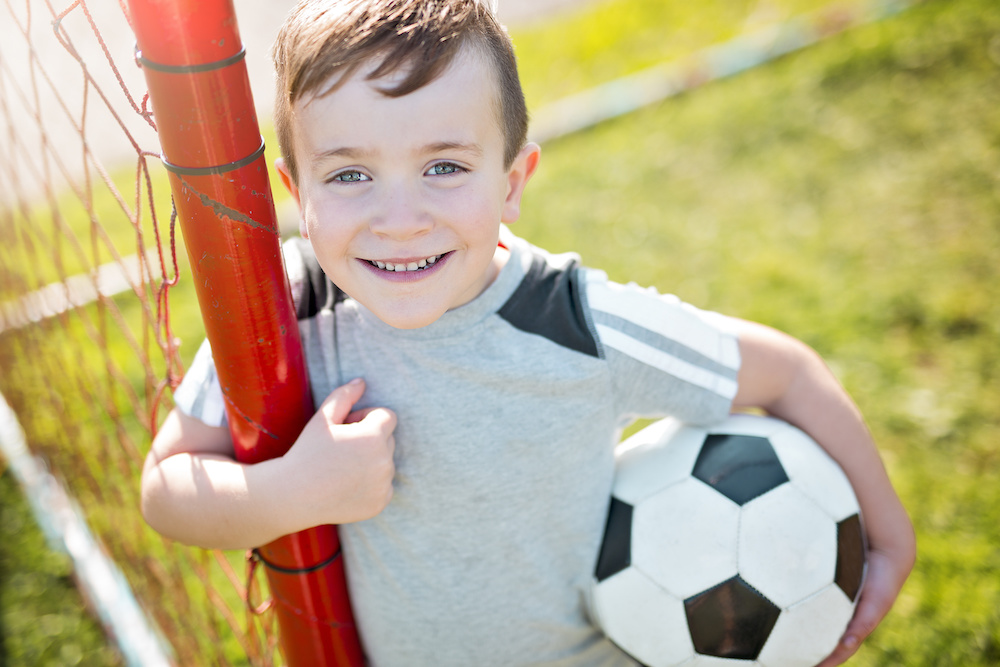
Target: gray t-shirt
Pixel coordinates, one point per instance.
(509, 409)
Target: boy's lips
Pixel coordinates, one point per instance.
(404, 266)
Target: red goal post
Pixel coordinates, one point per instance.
(193, 61)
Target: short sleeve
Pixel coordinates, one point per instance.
(200, 394)
(665, 357)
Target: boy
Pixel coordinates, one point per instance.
(469, 463)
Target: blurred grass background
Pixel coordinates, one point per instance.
(848, 194)
(42, 615)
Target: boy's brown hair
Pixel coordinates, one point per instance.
(323, 42)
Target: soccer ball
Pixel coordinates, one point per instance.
(740, 544)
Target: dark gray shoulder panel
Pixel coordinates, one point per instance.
(548, 303)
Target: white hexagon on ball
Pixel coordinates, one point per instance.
(812, 470)
(808, 631)
(746, 424)
(712, 661)
(685, 537)
(788, 546)
(648, 620)
(661, 454)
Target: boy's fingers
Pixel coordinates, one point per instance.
(858, 629)
(862, 625)
(877, 597)
(358, 415)
(849, 643)
(337, 406)
(382, 419)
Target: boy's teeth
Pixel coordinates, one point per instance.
(411, 266)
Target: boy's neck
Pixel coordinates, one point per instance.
(500, 258)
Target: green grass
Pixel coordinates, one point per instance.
(616, 38)
(848, 194)
(96, 443)
(76, 229)
(41, 613)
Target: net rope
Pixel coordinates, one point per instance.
(88, 349)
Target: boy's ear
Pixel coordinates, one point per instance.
(286, 179)
(289, 183)
(517, 178)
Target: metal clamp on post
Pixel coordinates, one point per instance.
(218, 169)
(190, 69)
(255, 555)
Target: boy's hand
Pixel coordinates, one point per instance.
(887, 570)
(340, 469)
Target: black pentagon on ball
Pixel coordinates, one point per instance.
(730, 620)
(616, 548)
(740, 467)
(850, 556)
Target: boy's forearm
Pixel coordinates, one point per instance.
(819, 405)
(195, 492)
(215, 502)
(791, 382)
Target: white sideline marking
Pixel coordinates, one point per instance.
(66, 531)
(76, 291)
(654, 84)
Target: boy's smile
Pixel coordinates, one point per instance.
(402, 198)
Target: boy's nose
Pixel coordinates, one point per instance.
(401, 216)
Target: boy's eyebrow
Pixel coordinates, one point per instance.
(353, 153)
(441, 146)
(343, 151)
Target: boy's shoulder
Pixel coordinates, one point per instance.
(549, 301)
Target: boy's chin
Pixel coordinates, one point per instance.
(409, 325)
(415, 320)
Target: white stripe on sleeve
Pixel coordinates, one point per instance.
(675, 320)
(668, 363)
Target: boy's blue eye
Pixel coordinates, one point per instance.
(350, 177)
(443, 168)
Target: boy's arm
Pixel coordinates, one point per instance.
(339, 470)
(790, 381)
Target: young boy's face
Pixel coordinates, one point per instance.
(402, 198)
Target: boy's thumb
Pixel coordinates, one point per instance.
(341, 401)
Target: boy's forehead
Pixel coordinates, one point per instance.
(468, 77)
(469, 59)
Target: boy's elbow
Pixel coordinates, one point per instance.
(150, 516)
(772, 364)
(150, 502)
(156, 514)
(156, 505)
